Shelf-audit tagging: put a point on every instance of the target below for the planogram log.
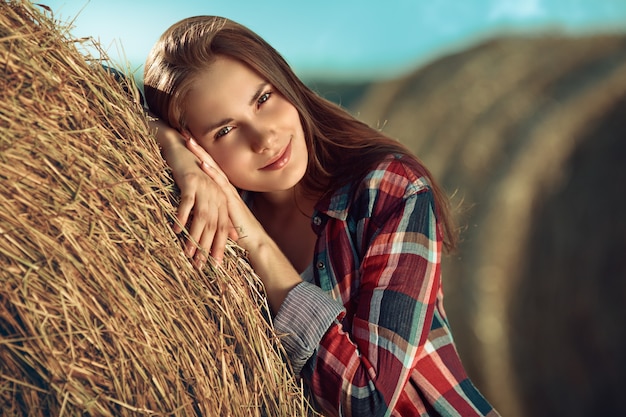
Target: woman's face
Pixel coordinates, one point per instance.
(251, 131)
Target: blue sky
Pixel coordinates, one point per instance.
(342, 39)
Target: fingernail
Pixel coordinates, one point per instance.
(193, 141)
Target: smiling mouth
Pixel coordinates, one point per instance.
(279, 161)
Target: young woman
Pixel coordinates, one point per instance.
(343, 225)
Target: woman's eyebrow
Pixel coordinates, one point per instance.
(216, 125)
(258, 92)
(223, 122)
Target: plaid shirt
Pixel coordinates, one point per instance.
(369, 336)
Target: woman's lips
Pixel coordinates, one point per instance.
(280, 161)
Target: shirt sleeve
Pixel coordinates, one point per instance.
(303, 318)
(362, 366)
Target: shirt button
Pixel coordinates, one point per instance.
(317, 220)
(320, 265)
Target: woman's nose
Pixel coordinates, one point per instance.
(261, 138)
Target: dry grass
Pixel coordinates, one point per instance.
(100, 312)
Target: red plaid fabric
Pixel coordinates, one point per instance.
(369, 335)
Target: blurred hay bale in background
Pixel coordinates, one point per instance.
(100, 312)
(531, 134)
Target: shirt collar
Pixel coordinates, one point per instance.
(337, 204)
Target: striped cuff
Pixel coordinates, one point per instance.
(304, 317)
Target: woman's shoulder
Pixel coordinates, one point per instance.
(396, 174)
(389, 185)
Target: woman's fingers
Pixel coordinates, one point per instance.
(205, 158)
(201, 230)
(203, 210)
(221, 236)
(184, 210)
(203, 206)
(241, 218)
(220, 178)
(199, 152)
(240, 221)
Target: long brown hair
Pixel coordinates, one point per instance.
(188, 47)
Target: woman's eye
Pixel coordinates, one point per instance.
(264, 97)
(223, 131)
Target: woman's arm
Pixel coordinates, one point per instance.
(203, 205)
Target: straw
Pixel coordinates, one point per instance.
(100, 311)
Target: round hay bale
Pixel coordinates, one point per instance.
(529, 134)
(100, 311)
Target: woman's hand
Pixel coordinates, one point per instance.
(203, 205)
(268, 261)
(244, 227)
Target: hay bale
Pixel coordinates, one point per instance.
(100, 311)
(530, 134)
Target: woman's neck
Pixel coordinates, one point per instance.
(283, 202)
(277, 200)
(286, 217)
